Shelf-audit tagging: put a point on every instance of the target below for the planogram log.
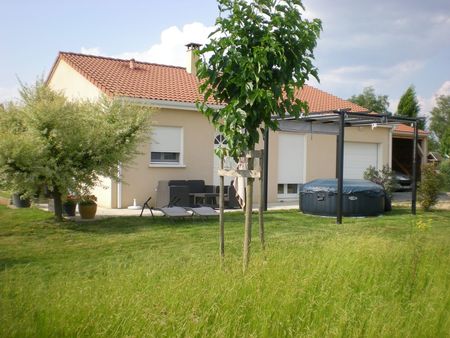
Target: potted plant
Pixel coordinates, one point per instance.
(70, 204)
(87, 206)
(385, 178)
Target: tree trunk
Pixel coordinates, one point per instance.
(58, 205)
(248, 217)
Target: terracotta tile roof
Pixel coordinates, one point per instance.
(169, 83)
(405, 129)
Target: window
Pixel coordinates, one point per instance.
(166, 146)
(165, 157)
(289, 190)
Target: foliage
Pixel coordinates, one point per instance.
(445, 143)
(87, 200)
(408, 105)
(383, 177)
(368, 99)
(138, 276)
(444, 169)
(429, 186)
(440, 122)
(262, 53)
(50, 141)
(71, 199)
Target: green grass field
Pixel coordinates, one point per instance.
(374, 277)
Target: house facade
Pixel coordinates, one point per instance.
(182, 141)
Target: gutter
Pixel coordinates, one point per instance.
(167, 104)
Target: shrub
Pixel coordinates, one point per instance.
(429, 186)
(383, 177)
(444, 169)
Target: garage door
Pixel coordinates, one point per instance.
(358, 157)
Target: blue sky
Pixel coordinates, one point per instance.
(388, 44)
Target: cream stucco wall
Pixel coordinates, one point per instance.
(73, 84)
(141, 179)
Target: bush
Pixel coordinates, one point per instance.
(444, 169)
(383, 177)
(429, 186)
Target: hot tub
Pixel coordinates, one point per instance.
(360, 198)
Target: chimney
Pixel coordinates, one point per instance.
(132, 63)
(192, 58)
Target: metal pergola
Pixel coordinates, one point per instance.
(334, 122)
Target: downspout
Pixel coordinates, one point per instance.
(119, 186)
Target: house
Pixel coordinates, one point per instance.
(182, 142)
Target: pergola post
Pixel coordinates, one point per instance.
(265, 168)
(414, 170)
(340, 167)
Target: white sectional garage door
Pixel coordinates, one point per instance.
(358, 157)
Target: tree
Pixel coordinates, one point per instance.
(374, 103)
(261, 54)
(408, 106)
(65, 146)
(440, 123)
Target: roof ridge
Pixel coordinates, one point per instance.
(122, 60)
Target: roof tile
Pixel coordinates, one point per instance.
(170, 83)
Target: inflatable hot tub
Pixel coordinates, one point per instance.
(360, 198)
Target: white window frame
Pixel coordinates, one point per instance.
(169, 164)
(285, 194)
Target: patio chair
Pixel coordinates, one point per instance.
(174, 212)
(204, 212)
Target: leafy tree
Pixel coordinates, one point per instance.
(368, 99)
(444, 169)
(63, 145)
(440, 123)
(260, 55)
(408, 105)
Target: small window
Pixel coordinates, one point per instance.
(166, 146)
(288, 190)
(292, 188)
(280, 189)
(165, 157)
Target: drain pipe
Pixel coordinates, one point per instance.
(119, 186)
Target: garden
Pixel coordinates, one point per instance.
(383, 276)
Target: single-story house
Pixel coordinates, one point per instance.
(181, 145)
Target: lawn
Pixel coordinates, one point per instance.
(385, 277)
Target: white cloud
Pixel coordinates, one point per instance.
(9, 94)
(427, 104)
(171, 49)
(91, 50)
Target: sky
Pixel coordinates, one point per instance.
(387, 44)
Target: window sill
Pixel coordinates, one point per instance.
(166, 165)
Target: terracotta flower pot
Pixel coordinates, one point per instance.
(87, 211)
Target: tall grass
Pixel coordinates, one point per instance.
(141, 277)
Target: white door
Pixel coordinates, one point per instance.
(358, 157)
(220, 141)
(291, 164)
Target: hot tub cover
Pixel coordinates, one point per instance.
(349, 187)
